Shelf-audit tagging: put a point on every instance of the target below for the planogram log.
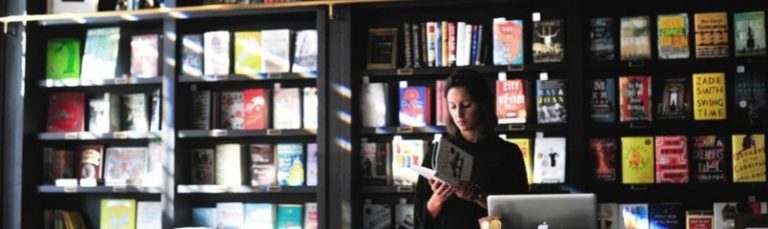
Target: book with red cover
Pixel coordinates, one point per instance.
(605, 152)
(511, 106)
(65, 111)
(441, 106)
(415, 106)
(635, 98)
(256, 109)
(672, 159)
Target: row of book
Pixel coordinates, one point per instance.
(90, 6)
(723, 215)
(107, 112)
(379, 215)
(114, 213)
(256, 52)
(89, 165)
(256, 215)
(254, 108)
(283, 164)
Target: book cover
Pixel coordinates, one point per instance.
(230, 214)
(100, 56)
(507, 42)
(551, 101)
(192, 55)
(216, 53)
(263, 165)
(635, 98)
(290, 164)
(675, 102)
(415, 106)
(635, 38)
(91, 159)
(407, 50)
(310, 105)
(125, 164)
(441, 106)
(748, 158)
(64, 6)
(416, 38)
(406, 153)
(232, 110)
(602, 46)
(603, 100)
(63, 59)
(203, 164)
(711, 34)
(604, 151)
(133, 113)
(549, 160)
(65, 111)
(73, 220)
(117, 214)
(289, 216)
(666, 215)
(450, 164)
(749, 33)
(750, 101)
(525, 148)
(154, 112)
(377, 216)
(312, 164)
(259, 215)
(287, 108)
(256, 109)
(637, 160)
(672, 159)
(548, 40)
(404, 216)
(228, 171)
(149, 215)
(305, 51)
(204, 217)
(699, 220)
(709, 96)
(58, 164)
(511, 106)
(634, 216)
(673, 36)
(248, 52)
(374, 162)
(104, 113)
(275, 51)
(709, 159)
(202, 109)
(145, 55)
(310, 216)
(725, 215)
(373, 107)
(608, 216)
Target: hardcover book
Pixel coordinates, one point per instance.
(637, 160)
(699, 220)
(125, 165)
(377, 216)
(608, 216)
(149, 215)
(263, 165)
(65, 111)
(154, 112)
(91, 159)
(406, 153)
(673, 36)
(192, 55)
(64, 6)
(603, 100)
(709, 159)
(305, 54)
(133, 113)
(452, 165)
(725, 215)
(58, 164)
(256, 109)
(100, 56)
(635, 38)
(310, 216)
(604, 151)
(404, 215)
(289, 216)
(232, 110)
(666, 215)
(675, 102)
(709, 96)
(749, 33)
(507, 42)
(203, 164)
(375, 160)
(104, 113)
(634, 216)
(145, 56)
(204, 217)
(551, 101)
(312, 164)
(309, 108)
(511, 103)
(63, 59)
(748, 158)
(635, 98)
(602, 46)
(230, 214)
(117, 214)
(711, 34)
(750, 100)
(216, 53)
(548, 40)
(276, 51)
(549, 160)
(672, 159)
(259, 215)
(202, 110)
(287, 108)
(415, 106)
(525, 148)
(441, 106)
(373, 107)
(290, 164)
(248, 52)
(227, 167)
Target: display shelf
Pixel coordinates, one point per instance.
(502, 128)
(443, 72)
(50, 83)
(383, 189)
(241, 77)
(97, 136)
(219, 133)
(218, 189)
(98, 189)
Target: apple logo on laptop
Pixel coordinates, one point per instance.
(543, 225)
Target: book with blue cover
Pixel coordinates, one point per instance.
(602, 101)
(290, 164)
(259, 215)
(289, 216)
(415, 106)
(204, 217)
(666, 215)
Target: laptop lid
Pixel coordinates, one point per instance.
(544, 211)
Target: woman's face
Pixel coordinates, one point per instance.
(462, 108)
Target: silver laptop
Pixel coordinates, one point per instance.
(544, 211)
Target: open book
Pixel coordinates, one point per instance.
(452, 164)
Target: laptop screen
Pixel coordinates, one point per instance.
(544, 211)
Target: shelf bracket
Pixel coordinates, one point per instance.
(330, 11)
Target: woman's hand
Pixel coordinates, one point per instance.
(440, 193)
(465, 190)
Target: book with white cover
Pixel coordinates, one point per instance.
(310, 105)
(287, 108)
(305, 55)
(69, 6)
(100, 56)
(275, 54)
(451, 164)
(228, 166)
(230, 214)
(549, 160)
(259, 215)
(149, 215)
(216, 53)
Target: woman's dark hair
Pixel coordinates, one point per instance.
(478, 89)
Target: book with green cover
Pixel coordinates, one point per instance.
(750, 33)
(248, 52)
(63, 60)
(289, 216)
(118, 214)
(637, 160)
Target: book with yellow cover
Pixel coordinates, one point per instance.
(748, 157)
(525, 148)
(248, 52)
(711, 34)
(709, 96)
(118, 214)
(673, 36)
(637, 160)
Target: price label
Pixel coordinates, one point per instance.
(121, 81)
(119, 189)
(219, 133)
(740, 69)
(120, 135)
(274, 132)
(405, 71)
(405, 129)
(516, 127)
(275, 75)
(502, 76)
(274, 189)
(536, 16)
(221, 77)
(70, 189)
(404, 189)
(543, 76)
(73, 135)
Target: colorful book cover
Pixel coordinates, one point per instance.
(149, 215)
(709, 159)
(374, 162)
(699, 220)
(104, 113)
(507, 42)
(404, 154)
(65, 111)
(548, 41)
(672, 159)
(608, 216)
(145, 56)
(256, 109)
(673, 36)
(377, 216)
(525, 147)
(202, 109)
(290, 164)
(666, 215)
(373, 107)
(675, 102)
(232, 110)
(248, 52)
(750, 100)
(305, 51)
(511, 103)
(635, 38)
(749, 33)
(289, 216)
(415, 106)
(549, 160)
(227, 170)
(230, 214)
(312, 164)
(637, 160)
(635, 98)
(287, 108)
(310, 105)
(192, 55)
(117, 214)
(91, 160)
(263, 166)
(275, 51)
(133, 113)
(204, 217)
(551, 101)
(63, 59)
(58, 164)
(604, 151)
(216, 53)
(634, 216)
(711, 34)
(441, 106)
(125, 164)
(709, 96)
(310, 216)
(100, 56)
(259, 215)
(404, 216)
(748, 158)
(725, 215)
(603, 100)
(602, 46)
(203, 164)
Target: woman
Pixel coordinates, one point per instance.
(498, 165)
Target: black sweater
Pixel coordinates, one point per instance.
(498, 169)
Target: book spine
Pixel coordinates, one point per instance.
(424, 46)
(431, 46)
(460, 43)
(407, 46)
(467, 44)
(416, 46)
(473, 52)
(479, 53)
(452, 43)
(444, 41)
(438, 45)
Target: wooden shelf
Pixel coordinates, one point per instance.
(49, 83)
(98, 189)
(240, 77)
(219, 133)
(97, 136)
(217, 189)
